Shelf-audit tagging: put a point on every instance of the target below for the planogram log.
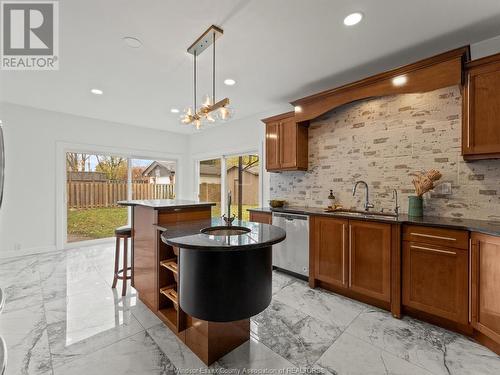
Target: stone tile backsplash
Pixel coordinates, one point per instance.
(382, 141)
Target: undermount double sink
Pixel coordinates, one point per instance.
(366, 214)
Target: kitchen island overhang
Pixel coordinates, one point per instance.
(157, 273)
(224, 278)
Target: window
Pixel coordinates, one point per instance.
(210, 184)
(96, 182)
(243, 181)
(241, 177)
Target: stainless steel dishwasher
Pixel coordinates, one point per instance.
(292, 254)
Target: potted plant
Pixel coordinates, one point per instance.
(423, 182)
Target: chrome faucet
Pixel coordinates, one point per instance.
(395, 197)
(368, 205)
(228, 219)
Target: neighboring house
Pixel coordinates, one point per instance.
(209, 174)
(250, 182)
(160, 172)
(210, 180)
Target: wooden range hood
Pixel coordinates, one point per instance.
(446, 69)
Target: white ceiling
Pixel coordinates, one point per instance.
(277, 50)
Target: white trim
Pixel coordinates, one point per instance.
(63, 147)
(223, 186)
(197, 158)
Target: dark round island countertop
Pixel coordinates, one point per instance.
(223, 278)
(187, 235)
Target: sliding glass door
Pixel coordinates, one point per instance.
(96, 182)
(243, 181)
(209, 189)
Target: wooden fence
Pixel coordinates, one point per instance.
(106, 194)
(209, 192)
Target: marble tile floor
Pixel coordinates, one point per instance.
(62, 317)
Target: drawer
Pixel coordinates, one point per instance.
(435, 280)
(261, 217)
(174, 215)
(437, 236)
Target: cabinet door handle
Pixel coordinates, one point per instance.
(470, 280)
(468, 111)
(432, 236)
(433, 250)
(350, 255)
(343, 254)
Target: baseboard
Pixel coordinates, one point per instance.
(25, 252)
(100, 241)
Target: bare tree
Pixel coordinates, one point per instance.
(114, 167)
(75, 162)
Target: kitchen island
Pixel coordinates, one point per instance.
(202, 281)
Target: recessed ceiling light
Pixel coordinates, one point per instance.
(353, 19)
(132, 42)
(97, 92)
(399, 80)
(174, 110)
(229, 82)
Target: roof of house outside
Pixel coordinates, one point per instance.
(214, 170)
(169, 166)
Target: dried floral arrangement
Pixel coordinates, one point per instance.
(425, 181)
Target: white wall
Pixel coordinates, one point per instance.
(247, 134)
(32, 140)
(485, 48)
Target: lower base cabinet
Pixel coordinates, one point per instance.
(370, 259)
(435, 280)
(353, 257)
(485, 288)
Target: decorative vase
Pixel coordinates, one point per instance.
(415, 206)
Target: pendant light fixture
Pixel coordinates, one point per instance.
(210, 111)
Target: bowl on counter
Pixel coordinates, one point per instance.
(276, 203)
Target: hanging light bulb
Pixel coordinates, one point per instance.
(207, 101)
(210, 118)
(225, 113)
(197, 124)
(187, 116)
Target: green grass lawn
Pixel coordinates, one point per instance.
(94, 223)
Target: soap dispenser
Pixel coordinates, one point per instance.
(331, 200)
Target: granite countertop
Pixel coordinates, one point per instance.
(165, 203)
(473, 225)
(186, 235)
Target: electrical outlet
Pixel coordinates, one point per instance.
(444, 188)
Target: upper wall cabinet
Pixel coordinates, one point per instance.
(481, 122)
(286, 143)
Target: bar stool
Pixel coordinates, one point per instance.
(124, 233)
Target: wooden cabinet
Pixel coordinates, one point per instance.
(145, 255)
(329, 241)
(353, 258)
(286, 143)
(435, 272)
(485, 288)
(481, 129)
(149, 251)
(261, 217)
(370, 259)
(273, 146)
